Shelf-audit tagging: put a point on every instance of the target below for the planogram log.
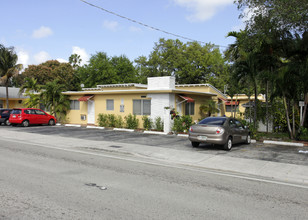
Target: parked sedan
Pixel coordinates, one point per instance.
(4, 116)
(219, 130)
(27, 116)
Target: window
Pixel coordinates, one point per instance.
(228, 108)
(141, 107)
(189, 108)
(39, 112)
(75, 105)
(110, 104)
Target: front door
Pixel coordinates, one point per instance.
(91, 112)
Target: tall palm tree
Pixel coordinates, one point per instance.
(209, 107)
(8, 68)
(54, 99)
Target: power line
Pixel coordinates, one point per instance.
(145, 25)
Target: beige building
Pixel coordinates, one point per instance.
(15, 100)
(239, 103)
(154, 99)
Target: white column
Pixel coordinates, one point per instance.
(167, 121)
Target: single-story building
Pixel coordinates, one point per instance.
(15, 99)
(154, 99)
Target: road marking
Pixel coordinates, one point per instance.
(169, 165)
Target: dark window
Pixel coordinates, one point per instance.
(39, 112)
(16, 111)
(234, 107)
(213, 121)
(189, 108)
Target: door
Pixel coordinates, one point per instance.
(91, 112)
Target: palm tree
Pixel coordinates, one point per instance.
(53, 98)
(29, 85)
(8, 68)
(209, 107)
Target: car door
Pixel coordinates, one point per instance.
(31, 116)
(41, 117)
(233, 130)
(240, 130)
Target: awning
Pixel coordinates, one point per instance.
(231, 103)
(85, 98)
(188, 99)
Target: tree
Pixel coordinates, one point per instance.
(52, 70)
(54, 100)
(286, 14)
(75, 61)
(209, 107)
(189, 63)
(107, 70)
(8, 68)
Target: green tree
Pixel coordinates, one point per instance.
(107, 70)
(54, 100)
(189, 63)
(208, 108)
(75, 61)
(8, 68)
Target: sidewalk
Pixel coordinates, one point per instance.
(290, 173)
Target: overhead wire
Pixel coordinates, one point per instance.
(146, 25)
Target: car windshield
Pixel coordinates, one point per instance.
(213, 121)
(16, 111)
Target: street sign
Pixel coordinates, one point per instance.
(301, 103)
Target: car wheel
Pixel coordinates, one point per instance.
(25, 123)
(248, 139)
(195, 144)
(228, 144)
(7, 122)
(51, 122)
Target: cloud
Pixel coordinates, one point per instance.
(23, 58)
(41, 57)
(42, 32)
(202, 10)
(111, 25)
(248, 15)
(82, 53)
(134, 29)
(62, 60)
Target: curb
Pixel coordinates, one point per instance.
(284, 143)
(123, 129)
(155, 132)
(72, 125)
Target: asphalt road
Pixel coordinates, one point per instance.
(260, 151)
(44, 183)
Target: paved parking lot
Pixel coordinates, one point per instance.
(284, 154)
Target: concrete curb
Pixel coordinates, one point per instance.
(95, 127)
(155, 132)
(284, 143)
(72, 125)
(123, 129)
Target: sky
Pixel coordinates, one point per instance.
(42, 30)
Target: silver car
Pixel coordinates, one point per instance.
(219, 130)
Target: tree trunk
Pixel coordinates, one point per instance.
(305, 110)
(293, 119)
(287, 116)
(7, 95)
(249, 101)
(255, 107)
(266, 98)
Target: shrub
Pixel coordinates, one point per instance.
(119, 122)
(159, 124)
(182, 124)
(102, 120)
(147, 122)
(111, 120)
(131, 121)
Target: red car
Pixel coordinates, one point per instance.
(27, 116)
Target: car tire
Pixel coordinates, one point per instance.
(195, 144)
(51, 122)
(228, 144)
(25, 123)
(7, 122)
(248, 139)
